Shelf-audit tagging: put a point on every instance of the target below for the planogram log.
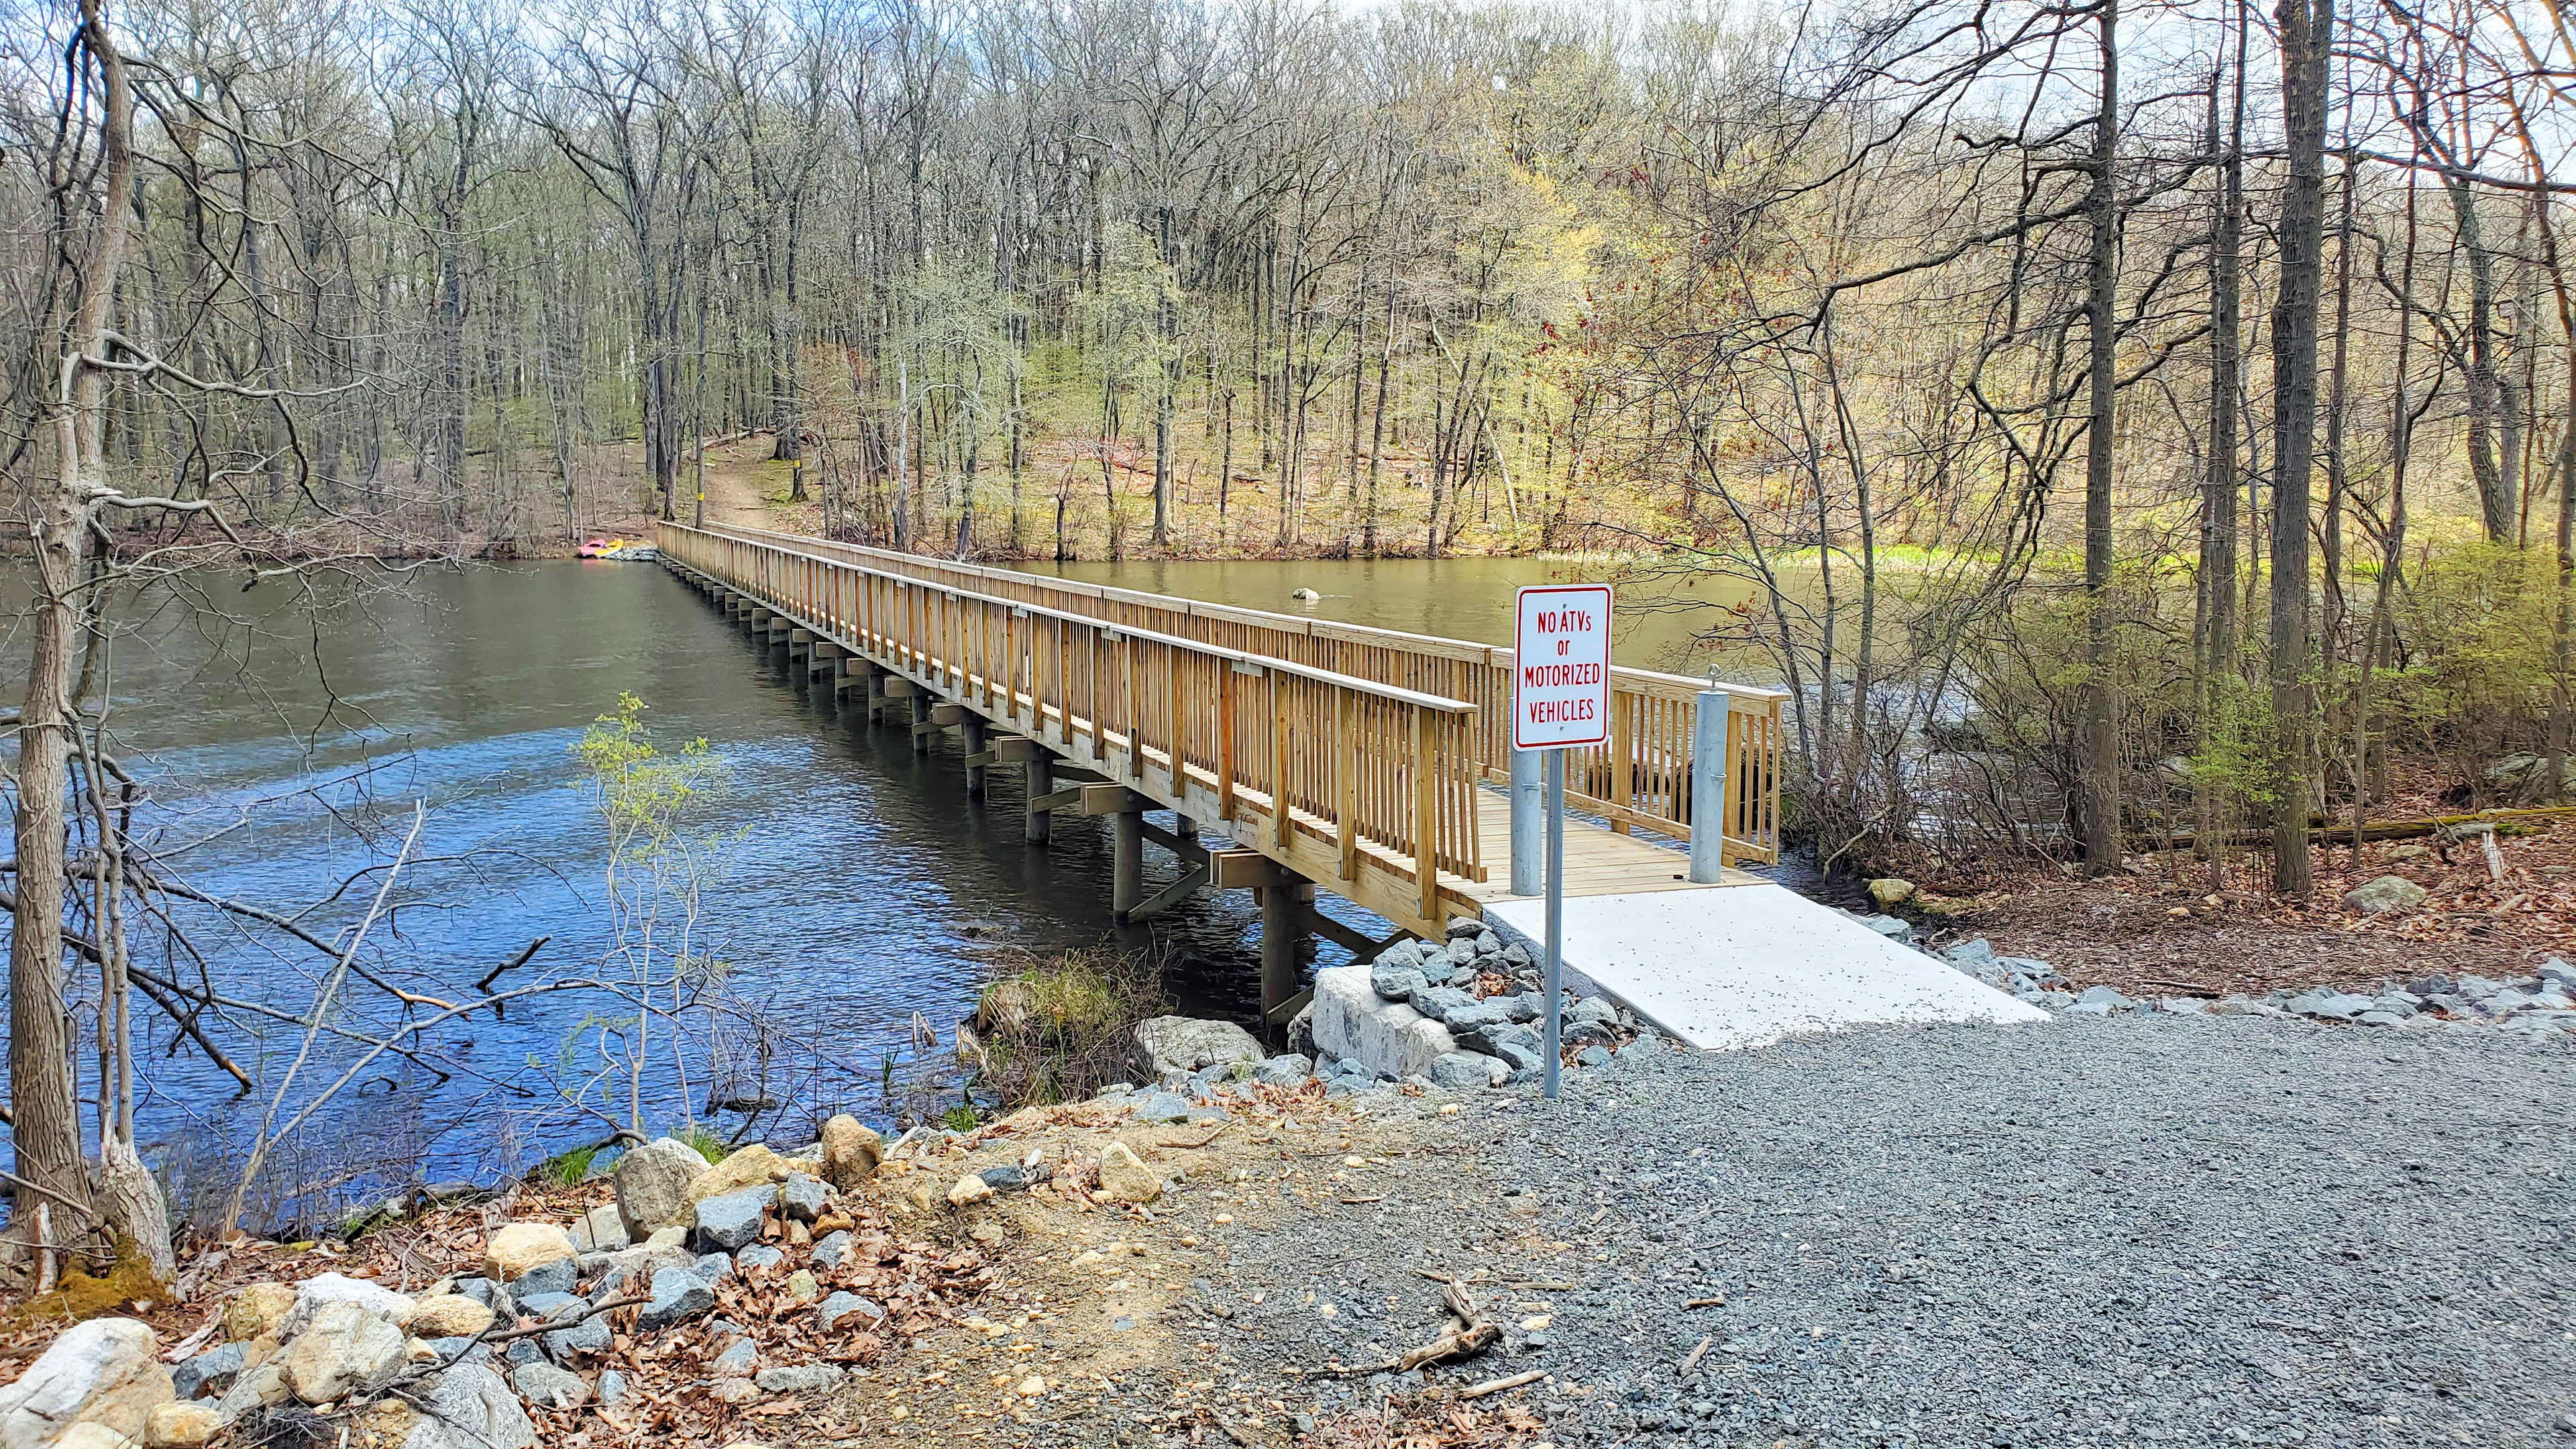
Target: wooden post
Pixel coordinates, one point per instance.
(1126, 859)
(972, 728)
(875, 695)
(1426, 816)
(921, 733)
(1041, 781)
(1285, 910)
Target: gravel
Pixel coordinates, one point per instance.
(2111, 1230)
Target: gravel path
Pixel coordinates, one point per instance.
(2137, 1229)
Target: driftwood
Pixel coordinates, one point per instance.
(1467, 1333)
(1496, 1386)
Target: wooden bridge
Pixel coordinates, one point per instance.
(1294, 753)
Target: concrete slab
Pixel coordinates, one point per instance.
(1748, 965)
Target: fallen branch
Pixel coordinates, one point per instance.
(1692, 1362)
(1717, 1302)
(1496, 1386)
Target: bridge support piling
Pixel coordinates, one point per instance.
(1041, 781)
(1285, 913)
(971, 728)
(1126, 859)
(922, 728)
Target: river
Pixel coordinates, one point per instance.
(286, 751)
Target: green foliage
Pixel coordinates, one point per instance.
(570, 1168)
(1060, 1029)
(709, 1145)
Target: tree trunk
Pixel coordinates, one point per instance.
(2099, 819)
(2307, 36)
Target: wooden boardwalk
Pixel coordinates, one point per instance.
(1293, 753)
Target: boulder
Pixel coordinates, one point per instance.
(1187, 1044)
(1891, 891)
(470, 1407)
(758, 1256)
(678, 1294)
(1125, 1176)
(1396, 983)
(176, 1426)
(652, 1184)
(1163, 1107)
(2388, 893)
(803, 1198)
(2409, 851)
(583, 1332)
(751, 1166)
(728, 1222)
(314, 1293)
(1284, 1071)
(850, 1152)
(101, 1372)
(1436, 1002)
(344, 1350)
(517, 1248)
(212, 1369)
(1405, 955)
(807, 1378)
(450, 1315)
(601, 1230)
(257, 1311)
(831, 1250)
(1970, 953)
(1477, 1015)
(92, 1436)
(1350, 1020)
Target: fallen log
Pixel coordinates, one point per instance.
(2330, 833)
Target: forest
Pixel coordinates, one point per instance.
(2122, 427)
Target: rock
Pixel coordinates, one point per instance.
(831, 1250)
(1284, 1071)
(1592, 1009)
(712, 1268)
(2105, 998)
(101, 1372)
(600, 1230)
(92, 1436)
(518, 1247)
(2409, 851)
(740, 1360)
(803, 1198)
(2558, 973)
(753, 1166)
(1436, 1002)
(1519, 1047)
(449, 1315)
(1163, 1107)
(758, 1255)
(1890, 891)
(1592, 1056)
(1970, 953)
(612, 1386)
(2388, 893)
(1461, 951)
(2326, 1005)
(1396, 983)
(345, 1349)
(555, 1275)
(263, 1386)
(2381, 1018)
(850, 1152)
(548, 1387)
(1888, 926)
(1526, 1005)
(1185, 1044)
(257, 1311)
(842, 1306)
(652, 1183)
(728, 1222)
(321, 1290)
(174, 1426)
(1126, 1177)
(810, 1378)
(801, 1287)
(1477, 1015)
(488, 1293)
(1465, 928)
(1006, 1178)
(584, 1332)
(203, 1372)
(1467, 1071)
(678, 1294)
(969, 1189)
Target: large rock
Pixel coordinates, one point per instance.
(678, 1295)
(1388, 1037)
(752, 1166)
(850, 1152)
(472, 1408)
(548, 1387)
(101, 1372)
(449, 1315)
(344, 1350)
(257, 1311)
(180, 1426)
(1126, 1177)
(652, 1183)
(1396, 982)
(1186, 1045)
(728, 1222)
(601, 1230)
(516, 1248)
(1467, 1071)
(847, 1308)
(1891, 891)
(320, 1291)
(2388, 893)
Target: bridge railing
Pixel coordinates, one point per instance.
(1640, 779)
(1378, 781)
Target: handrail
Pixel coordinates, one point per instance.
(1375, 785)
(1640, 780)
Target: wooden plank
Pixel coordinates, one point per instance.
(1109, 800)
(1065, 799)
(1243, 870)
(1014, 750)
(944, 714)
(1192, 881)
(898, 687)
(1286, 1011)
(1341, 935)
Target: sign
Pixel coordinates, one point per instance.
(1561, 667)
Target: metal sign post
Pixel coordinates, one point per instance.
(1560, 700)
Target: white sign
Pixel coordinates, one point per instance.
(1561, 667)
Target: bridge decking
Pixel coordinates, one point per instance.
(1384, 745)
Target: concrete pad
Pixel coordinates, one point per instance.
(1747, 965)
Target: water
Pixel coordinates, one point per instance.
(865, 885)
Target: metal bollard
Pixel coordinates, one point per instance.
(1708, 790)
(1529, 824)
